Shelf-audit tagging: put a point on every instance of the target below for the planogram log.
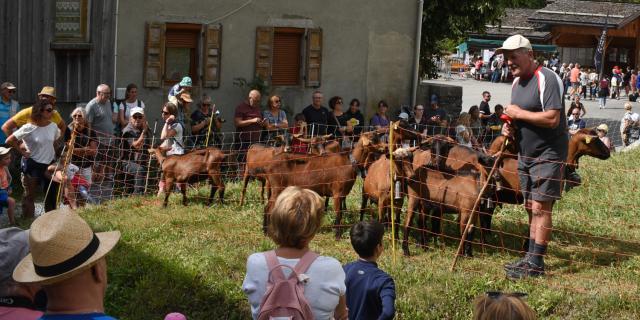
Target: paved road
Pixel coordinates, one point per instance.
(501, 94)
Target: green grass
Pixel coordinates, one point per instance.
(192, 259)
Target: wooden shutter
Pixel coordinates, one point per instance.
(264, 53)
(314, 58)
(154, 55)
(285, 69)
(212, 49)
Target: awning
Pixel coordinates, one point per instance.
(494, 44)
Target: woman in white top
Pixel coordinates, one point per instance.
(464, 135)
(37, 151)
(130, 101)
(294, 221)
(172, 130)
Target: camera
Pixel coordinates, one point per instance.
(219, 117)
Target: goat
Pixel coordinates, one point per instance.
(191, 167)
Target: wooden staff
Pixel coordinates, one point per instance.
(391, 195)
(67, 160)
(206, 143)
(153, 139)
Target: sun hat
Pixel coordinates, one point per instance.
(186, 96)
(7, 85)
(514, 42)
(175, 316)
(4, 150)
(604, 127)
(186, 82)
(14, 246)
(62, 245)
(48, 91)
(137, 110)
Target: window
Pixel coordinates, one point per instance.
(175, 50)
(280, 53)
(71, 21)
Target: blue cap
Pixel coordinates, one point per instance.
(434, 98)
(186, 82)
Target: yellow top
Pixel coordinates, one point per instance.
(24, 116)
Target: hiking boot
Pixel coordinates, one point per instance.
(518, 264)
(528, 269)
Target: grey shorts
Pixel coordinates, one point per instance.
(541, 180)
(575, 85)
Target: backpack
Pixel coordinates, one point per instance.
(284, 298)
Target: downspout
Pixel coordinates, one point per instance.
(416, 62)
(115, 49)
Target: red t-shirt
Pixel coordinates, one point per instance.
(575, 73)
(296, 145)
(250, 133)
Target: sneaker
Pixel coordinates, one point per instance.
(528, 269)
(516, 264)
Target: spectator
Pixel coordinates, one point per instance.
(633, 82)
(575, 123)
(372, 292)
(200, 121)
(24, 116)
(171, 136)
(576, 104)
(464, 135)
(14, 246)
(418, 122)
(183, 102)
(337, 121)
(584, 82)
(475, 123)
(485, 110)
(638, 81)
(496, 68)
(275, 120)
(68, 260)
(436, 117)
(626, 80)
(355, 118)
(503, 306)
(629, 125)
(130, 101)
(593, 84)
(299, 128)
(602, 131)
(8, 106)
(249, 123)
(101, 119)
(380, 119)
(603, 92)
(316, 115)
(5, 185)
(574, 78)
(494, 125)
(183, 86)
(37, 153)
(478, 65)
(136, 140)
(84, 152)
(294, 221)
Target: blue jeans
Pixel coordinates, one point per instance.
(495, 76)
(602, 101)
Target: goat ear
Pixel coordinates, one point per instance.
(395, 125)
(365, 141)
(587, 139)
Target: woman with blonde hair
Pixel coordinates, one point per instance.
(464, 135)
(503, 306)
(294, 221)
(83, 156)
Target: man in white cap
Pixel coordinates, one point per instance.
(17, 300)
(540, 130)
(8, 106)
(68, 260)
(136, 140)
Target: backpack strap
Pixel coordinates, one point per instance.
(305, 262)
(272, 263)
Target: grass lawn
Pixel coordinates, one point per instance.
(192, 259)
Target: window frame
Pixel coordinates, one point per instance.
(194, 63)
(300, 33)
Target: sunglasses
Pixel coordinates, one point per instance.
(76, 116)
(419, 109)
(12, 91)
(206, 104)
(165, 112)
(49, 110)
(138, 117)
(276, 101)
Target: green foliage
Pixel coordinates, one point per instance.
(256, 84)
(192, 259)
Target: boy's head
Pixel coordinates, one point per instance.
(366, 236)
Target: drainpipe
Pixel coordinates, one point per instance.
(115, 49)
(416, 62)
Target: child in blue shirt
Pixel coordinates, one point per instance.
(371, 292)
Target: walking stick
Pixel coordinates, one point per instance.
(206, 143)
(463, 237)
(153, 139)
(46, 194)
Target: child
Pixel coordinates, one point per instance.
(371, 292)
(5, 184)
(300, 127)
(498, 305)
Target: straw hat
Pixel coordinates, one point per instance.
(62, 245)
(48, 91)
(604, 127)
(4, 150)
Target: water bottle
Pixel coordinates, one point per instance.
(84, 193)
(398, 190)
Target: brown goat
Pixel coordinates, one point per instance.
(330, 175)
(191, 167)
(258, 155)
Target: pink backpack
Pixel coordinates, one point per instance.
(284, 298)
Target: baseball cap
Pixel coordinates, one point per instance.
(514, 42)
(7, 85)
(14, 246)
(434, 98)
(403, 116)
(137, 110)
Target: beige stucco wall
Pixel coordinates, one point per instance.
(368, 46)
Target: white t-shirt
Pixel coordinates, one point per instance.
(323, 291)
(39, 141)
(177, 143)
(459, 130)
(129, 106)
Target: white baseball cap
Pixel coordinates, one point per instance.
(137, 110)
(514, 42)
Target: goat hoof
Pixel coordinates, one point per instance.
(405, 251)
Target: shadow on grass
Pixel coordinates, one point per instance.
(140, 283)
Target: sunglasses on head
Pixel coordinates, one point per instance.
(498, 294)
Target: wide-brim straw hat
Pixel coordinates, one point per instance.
(62, 246)
(48, 91)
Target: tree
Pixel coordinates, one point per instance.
(446, 23)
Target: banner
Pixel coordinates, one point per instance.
(597, 59)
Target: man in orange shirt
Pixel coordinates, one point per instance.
(574, 77)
